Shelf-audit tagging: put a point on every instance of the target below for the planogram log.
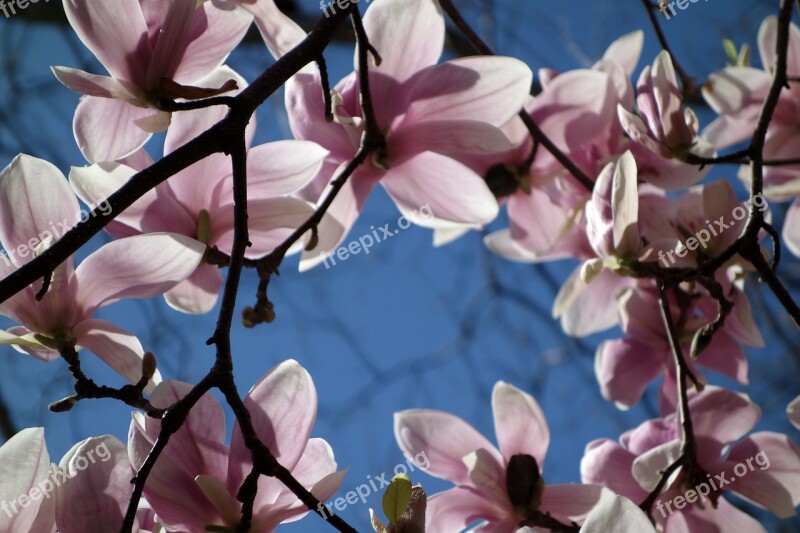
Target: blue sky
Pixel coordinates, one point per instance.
(407, 326)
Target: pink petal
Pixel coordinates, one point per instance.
(170, 46)
(449, 137)
(455, 509)
(95, 497)
(648, 468)
(156, 211)
(198, 293)
(117, 271)
(24, 465)
(35, 200)
(607, 463)
(501, 243)
(624, 369)
(586, 309)
(737, 92)
(722, 414)
(283, 407)
(419, 26)
(119, 349)
(626, 51)
(488, 89)
(793, 412)
(767, 37)
(453, 192)
(773, 472)
(726, 356)
(791, 228)
(446, 439)
(115, 33)
(519, 423)
(214, 33)
(105, 129)
(100, 86)
(724, 518)
(282, 167)
(570, 502)
(280, 33)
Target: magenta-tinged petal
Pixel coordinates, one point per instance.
(119, 349)
(488, 89)
(449, 137)
(624, 369)
(409, 36)
(724, 518)
(570, 502)
(283, 407)
(767, 37)
(519, 423)
(616, 514)
(170, 46)
(35, 199)
(626, 50)
(446, 439)
(282, 167)
(95, 85)
(791, 228)
(105, 129)
(773, 472)
(24, 465)
(723, 414)
(215, 31)
(157, 210)
(607, 463)
(280, 33)
(115, 33)
(455, 509)
(726, 356)
(117, 271)
(586, 309)
(95, 497)
(453, 193)
(198, 293)
(501, 243)
(648, 468)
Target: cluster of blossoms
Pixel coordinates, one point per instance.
(453, 141)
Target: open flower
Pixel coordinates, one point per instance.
(763, 468)
(195, 482)
(151, 50)
(36, 208)
(198, 201)
(502, 488)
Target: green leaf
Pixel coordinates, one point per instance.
(396, 498)
(730, 51)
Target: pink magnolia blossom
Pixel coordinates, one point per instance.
(665, 130)
(427, 112)
(195, 482)
(198, 201)
(721, 419)
(151, 50)
(88, 492)
(487, 479)
(36, 208)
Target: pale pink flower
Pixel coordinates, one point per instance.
(195, 482)
(484, 475)
(198, 201)
(36, 208)
(771, 463)
(144, 46)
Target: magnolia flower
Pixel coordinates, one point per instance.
(763, 468)
(427, 113)
(665, 129)
(195, 481)
(36, 208)
(198, 201)
(502, 488)
(87, 492)
(151, 50)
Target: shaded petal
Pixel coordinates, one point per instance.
(450, 137)
(453, 192)
(280, 33)
(115, 33)
(120, 349)
(100, 86)
(106, 129)
(791, 228)
(117, 270)
(455, 509)
(626, 51)
(445, 438)
(570, 502)
(25, 464)
(624, 368)
(519, 423)
(723, 414)
(282, 167)
(34, 198)
(95, 497)
(488, 89)
(589, 308)
(198, 293)
(726, 517)
(409, 36)
(616, 514)
(607, 463)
